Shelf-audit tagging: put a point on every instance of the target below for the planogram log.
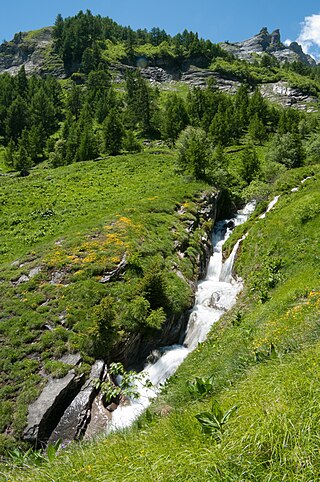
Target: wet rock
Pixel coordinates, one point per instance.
(75, 419)
(112, 407)
(45, 412)
(100, 419)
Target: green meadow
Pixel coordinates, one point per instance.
(261, 359)
(62, 230)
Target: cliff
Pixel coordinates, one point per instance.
(33, 50)
(266, 43)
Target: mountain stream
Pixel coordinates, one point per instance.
(215, 295)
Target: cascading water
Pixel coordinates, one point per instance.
(215, 294)
(270, 206)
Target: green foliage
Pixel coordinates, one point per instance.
(113, 132)
(126, 385)
(192, 147)
(256, 129)
(266, 277)
(131, 143)
(250, 165)
(212, 423)
(175, 118)
(74, 223)
(286, 149)
(201, 386)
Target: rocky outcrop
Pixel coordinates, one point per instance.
(264, 42)
(197, 77)
(75, 419)
(45, 412)
(33, 50)
(281, 93)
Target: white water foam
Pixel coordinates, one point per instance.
(270, 206)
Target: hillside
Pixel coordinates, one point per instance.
(261, 358)
(125, 157)
(164, 60)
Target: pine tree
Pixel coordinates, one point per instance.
(22, 159)
(257, 130)
(139, 104)
(113, 133)
(257, 105)
(43, 112)
(74, 100)
(88, 148)
(17, 119)
(22, 82)
(9, 153)
(174, 118)
(250, 165)
(217, 171)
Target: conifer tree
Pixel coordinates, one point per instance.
(250, 164)
(88, 148)
(193, 152)
(9, 153)
(17, 118)
(113, 133)
(174, 118)
(22, 159)
(138, 101)
(257, 130)
(22, 82)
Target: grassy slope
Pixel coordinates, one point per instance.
(75, 223)
(274, 433)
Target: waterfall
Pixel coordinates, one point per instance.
(270, 206)
(215, 295)
(226, 272)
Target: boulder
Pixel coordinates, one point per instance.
(71, 359)
(46, 411)
(75, 419)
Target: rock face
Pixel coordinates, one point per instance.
(75, 419)
(46, 411)
(197, 77)
(281, 93)
(264, 42)
(34, 51)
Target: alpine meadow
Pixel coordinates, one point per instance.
(160, 266)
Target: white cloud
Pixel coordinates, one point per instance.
(287, 42)
(309, 37)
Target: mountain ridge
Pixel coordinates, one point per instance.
(266, 43)
(35, 51)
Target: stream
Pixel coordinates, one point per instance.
(215, 295)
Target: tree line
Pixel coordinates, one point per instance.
(39, 119)
(80, 40)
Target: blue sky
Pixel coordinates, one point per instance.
(215, 19)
